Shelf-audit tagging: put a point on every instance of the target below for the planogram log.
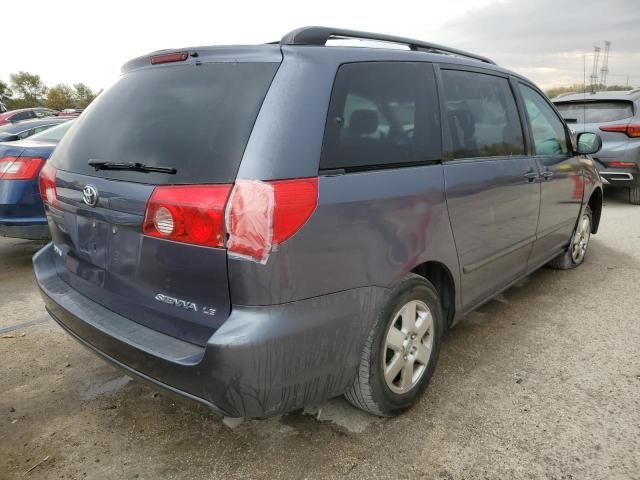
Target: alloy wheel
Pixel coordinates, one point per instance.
(581, 239)
(408, 346)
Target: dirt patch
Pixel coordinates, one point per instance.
(543, 382)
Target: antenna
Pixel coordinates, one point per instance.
(605, 64)
(594, 71)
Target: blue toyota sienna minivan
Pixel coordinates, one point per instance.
(264, 227)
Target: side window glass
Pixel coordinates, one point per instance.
(381, 114)
(40, 129)
(19, 116)
(26, 133)
(482, 115)
(549, 135)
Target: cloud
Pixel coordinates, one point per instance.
(548, 39)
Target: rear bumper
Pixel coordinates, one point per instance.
(262, 361)
(28, 232)
(620, 178)
(21, 210)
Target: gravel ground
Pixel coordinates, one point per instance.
(542, 382)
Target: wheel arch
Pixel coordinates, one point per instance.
(441, 278)
(595, 203)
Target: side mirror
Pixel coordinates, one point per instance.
(589, 143)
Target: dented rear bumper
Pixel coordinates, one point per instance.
(262, 361)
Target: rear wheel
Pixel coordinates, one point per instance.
(634, 195)
(400, 355)
(574, 255)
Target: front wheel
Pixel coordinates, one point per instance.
(574, 255)
(400, 355)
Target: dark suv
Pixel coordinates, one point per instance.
(264, 227)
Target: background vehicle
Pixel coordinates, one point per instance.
(21, 210)
(70, 112)
(27, 128)
(616, 117)
(280, 231)
(2, 108)
(13, 116)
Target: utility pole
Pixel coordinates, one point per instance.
(594, 71)
(605, 64)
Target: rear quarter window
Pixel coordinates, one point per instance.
(194, 118)
(382, 114)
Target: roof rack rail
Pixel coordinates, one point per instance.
(320, 35)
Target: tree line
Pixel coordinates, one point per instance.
(27, 90)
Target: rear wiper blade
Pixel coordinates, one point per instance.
(138, 167)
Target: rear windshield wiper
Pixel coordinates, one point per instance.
(138, 167)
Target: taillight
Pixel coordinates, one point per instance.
(261, 215)
(631, 130)
(20, 168)
(617, 164)
(258, 215)
(188, 214)
(47, 184)
(169, 58)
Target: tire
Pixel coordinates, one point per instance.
(370, 390)
(579, 240)
(634, 195)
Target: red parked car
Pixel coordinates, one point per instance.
(13, 116)
(70, 112)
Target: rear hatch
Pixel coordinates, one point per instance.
(596, 115)
(191, 115)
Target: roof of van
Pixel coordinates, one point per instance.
(313, 41)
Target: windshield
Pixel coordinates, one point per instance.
(53, 134)
(595, 111)
(196, 119)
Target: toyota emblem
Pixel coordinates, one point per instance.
(90, 195)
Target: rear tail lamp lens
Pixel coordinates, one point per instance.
(631, 130)
(20, 168)
(189, 214)
(622, 164)
(261, 215)
(47, 184)
(257, 215)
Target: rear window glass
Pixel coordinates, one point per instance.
(194, 118)
(595, 112)
(53, 134)
(382, 114)
(482, 115)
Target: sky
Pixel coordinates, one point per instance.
(548, 41)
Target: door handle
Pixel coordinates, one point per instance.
(547, 175)
(531, 176)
